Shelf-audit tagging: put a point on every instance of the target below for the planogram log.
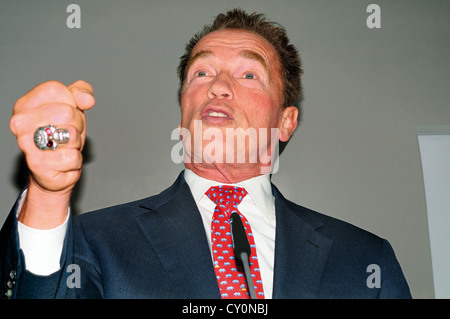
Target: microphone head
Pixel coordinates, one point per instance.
(239, 237)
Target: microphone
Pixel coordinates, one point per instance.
(242, 249)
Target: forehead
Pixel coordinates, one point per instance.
(238, 41)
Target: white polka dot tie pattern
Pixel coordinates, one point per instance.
(229, 273)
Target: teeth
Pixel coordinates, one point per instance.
(217, 114)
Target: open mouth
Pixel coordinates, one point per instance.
(217, 114)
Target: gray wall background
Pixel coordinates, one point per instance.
(354, 156)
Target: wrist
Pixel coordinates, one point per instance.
(44, 209)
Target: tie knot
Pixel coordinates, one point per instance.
(223, 194)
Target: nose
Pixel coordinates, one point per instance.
(220, 88)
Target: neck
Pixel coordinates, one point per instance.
(225, 173)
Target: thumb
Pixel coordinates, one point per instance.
(83, 94)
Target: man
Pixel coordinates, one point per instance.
(239, 74)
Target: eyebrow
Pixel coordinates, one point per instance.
(252, 55)
(248, 54)
(198, 55)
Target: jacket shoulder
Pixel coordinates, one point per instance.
(132, 209)
(332, 227)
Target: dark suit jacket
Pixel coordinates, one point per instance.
(157, 248)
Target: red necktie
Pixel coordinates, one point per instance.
(230, 275)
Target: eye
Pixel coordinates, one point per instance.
(201, 73)
(249, 76)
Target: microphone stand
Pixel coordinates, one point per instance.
(242, 249)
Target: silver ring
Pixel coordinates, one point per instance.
(49, 137)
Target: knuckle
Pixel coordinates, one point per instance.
(34, 163)
(44, 93)
(54, 87)
(13, 125)
(72, 160)
(55, 91)
(71, 156)
(18, 124)
(64, 113)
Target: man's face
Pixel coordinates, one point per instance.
(233, 81)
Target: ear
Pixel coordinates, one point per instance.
(288, 125)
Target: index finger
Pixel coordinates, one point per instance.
(45, 93)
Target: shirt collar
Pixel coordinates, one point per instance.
(259, 188)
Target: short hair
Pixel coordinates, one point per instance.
(273, 32)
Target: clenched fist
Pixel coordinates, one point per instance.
(54, 173)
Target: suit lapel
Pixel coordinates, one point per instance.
(300, 252)
(176, 232)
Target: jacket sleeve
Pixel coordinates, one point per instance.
(15, 280)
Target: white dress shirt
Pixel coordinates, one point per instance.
(259, 209)
(42, 248)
